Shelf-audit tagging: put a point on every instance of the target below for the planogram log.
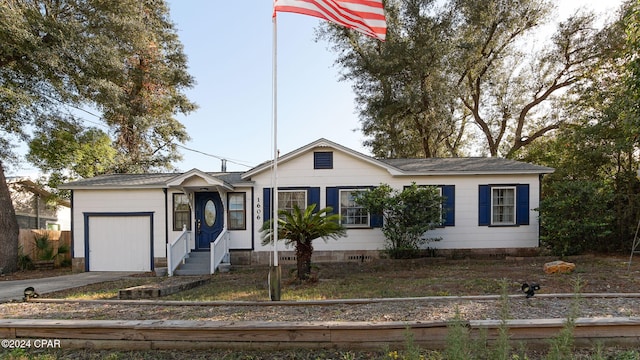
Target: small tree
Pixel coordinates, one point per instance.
(300, 228)
(407, 215)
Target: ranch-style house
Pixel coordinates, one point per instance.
(143, 222)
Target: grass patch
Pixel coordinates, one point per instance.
(344, 281)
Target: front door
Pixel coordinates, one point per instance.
(209, 218)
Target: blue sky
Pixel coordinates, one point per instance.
(229, 47)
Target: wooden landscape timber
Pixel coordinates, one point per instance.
(185, 334)
(326, 301)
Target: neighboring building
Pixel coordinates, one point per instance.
(124, 222)
(33, 207)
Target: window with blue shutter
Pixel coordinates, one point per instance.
(323, 160)
(352, 214)
(289, 199)
(333, 200)
(503, 205)
(448, 193)
(288, 196)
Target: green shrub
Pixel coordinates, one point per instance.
(575, 216)
(406, 214)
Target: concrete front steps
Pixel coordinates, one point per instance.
(198, 263)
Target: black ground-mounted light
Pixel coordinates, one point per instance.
(30, 293)
(530, 289)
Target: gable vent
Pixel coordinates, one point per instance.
(323, 160)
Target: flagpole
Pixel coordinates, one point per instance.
(368, 19)
(275, 273)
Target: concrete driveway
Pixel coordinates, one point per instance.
(14, 290)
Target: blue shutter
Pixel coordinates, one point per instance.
(522, 206)
(333, 199)
(375, 220)
(484, 205)
(266, 195)
(313, 197)
(449, 194)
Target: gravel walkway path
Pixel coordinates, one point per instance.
(422, 309)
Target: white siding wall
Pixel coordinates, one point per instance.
(351, 171)
(103, 201)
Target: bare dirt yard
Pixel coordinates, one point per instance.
(424, 281)
(423, 289)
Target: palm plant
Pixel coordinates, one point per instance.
(45, 250)
(300, 228)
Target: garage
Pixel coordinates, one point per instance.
(119, 242)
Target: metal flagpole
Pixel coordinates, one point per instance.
(275, 272)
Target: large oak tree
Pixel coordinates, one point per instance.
(596, 156)
(120, 58)
(449, 64)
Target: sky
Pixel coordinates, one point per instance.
(229, 45)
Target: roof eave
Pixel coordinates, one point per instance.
(471, 173)
(112, 187)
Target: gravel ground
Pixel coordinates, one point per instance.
(402, 310)
(606, 275)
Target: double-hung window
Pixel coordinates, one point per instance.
(447, 206)
(236, 211)
(352, 214)
(181, 212)
(503, 205)
(290, 197)
(287, 199)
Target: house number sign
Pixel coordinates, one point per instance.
(258, 209)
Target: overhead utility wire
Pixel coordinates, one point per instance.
(215, 156)
(233, 161)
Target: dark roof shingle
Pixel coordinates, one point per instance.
(465, 165)
(153, 180)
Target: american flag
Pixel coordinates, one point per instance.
(365, 16)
